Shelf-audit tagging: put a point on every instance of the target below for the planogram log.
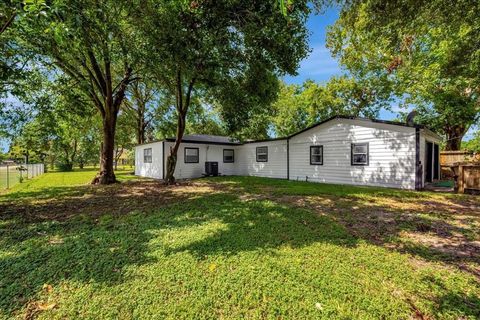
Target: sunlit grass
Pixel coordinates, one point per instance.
(212, 254)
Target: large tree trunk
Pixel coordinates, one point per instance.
(140, 126)
(455, 135)
(109, 112)
(106, 174)
(172, 157)
(182, 104)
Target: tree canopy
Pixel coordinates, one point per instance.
(230, 51)
(428, 52)
(298, 107)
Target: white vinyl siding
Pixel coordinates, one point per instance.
(153, 168)
(391, 154)
(324, 153)
(275, 167)
(207, 152)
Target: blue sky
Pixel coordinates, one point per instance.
(320, 66)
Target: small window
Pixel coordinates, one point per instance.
(262, 154)
(191, 155)
(316, 155)
(147, 155)
(359, 154)
(228, 156)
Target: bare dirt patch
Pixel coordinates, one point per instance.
(94, 201)
(439, 229)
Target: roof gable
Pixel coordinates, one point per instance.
(358, 119)
(222, 140)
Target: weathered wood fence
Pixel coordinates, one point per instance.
(451, 157)
(468, 179)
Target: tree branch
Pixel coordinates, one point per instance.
(8, 22)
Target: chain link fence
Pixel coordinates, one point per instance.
(11, 175)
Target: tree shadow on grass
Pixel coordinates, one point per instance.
(454, 301)
(255, 225)
(49, 253)
(93, 235)
(79, 237)
(82, 233)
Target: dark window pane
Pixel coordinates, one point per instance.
(228, 156)
(360, 148)
(147, 155)
(262, 154)
(191, 155)
(316, 155)
(359, 158)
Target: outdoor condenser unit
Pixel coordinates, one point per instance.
(211, 168)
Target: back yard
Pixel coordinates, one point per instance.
(236, 247)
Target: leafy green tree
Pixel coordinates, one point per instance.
(290, 111)
(141, 105)
(17, 66)
(231, 51)
(16, 152)
(88, 152)
(58, 128)
(473, 144)
(427, 51)
(92, 44)
(202, 118)
(11, 9)
(300, 106)
(124, 139)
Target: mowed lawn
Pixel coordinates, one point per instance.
(235, 247)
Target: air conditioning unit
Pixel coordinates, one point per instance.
(211, 168)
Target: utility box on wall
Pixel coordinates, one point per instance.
(211, 168)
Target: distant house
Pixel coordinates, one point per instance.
(122, 157)
(8, 162)
(341, 150)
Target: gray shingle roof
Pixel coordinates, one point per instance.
(206, 138)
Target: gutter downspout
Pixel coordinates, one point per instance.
(163, 160)
(288, 158)
(418, 163)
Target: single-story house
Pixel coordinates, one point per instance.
(340, 150)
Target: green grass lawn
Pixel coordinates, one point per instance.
(235, 247)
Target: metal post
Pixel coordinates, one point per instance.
(8, 177)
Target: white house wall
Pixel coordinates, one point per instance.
(392, 150)
(275, 167)
(391, 154)
(207, 152)
(151, 170)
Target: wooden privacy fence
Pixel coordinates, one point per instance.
(467, 177)
(451, 157)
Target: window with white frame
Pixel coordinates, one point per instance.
(191, 155)
(262, 154)
(147, 155)
(228, 155)
(316, 155)
(360, 154)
